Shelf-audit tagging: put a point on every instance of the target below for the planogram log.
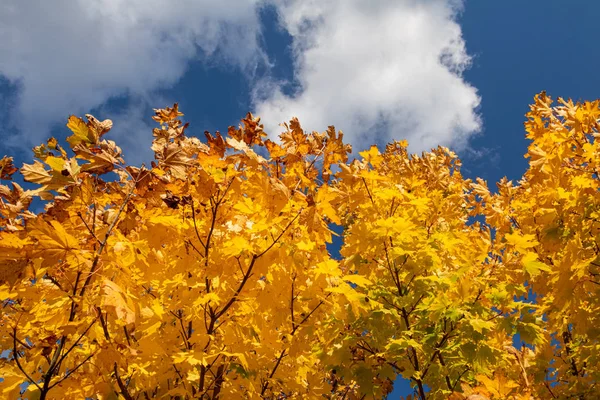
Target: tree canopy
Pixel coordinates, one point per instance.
(207, 275)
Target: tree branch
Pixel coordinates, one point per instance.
(105, 241)
(16, 357)
(122, 387)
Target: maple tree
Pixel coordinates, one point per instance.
(547, 226)
(207, 275)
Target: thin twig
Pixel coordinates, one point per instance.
(16, 357)
(105, 241)
(61, 359)
(368, 191)
(266, 383)
(196, 227)
(88, 227)
(71, 371)
(292, 302)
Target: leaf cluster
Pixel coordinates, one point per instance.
(207, 275)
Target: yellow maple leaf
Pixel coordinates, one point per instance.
(115, 298)
(328, 268)
(521, 242)
(373, 156)
(81, 133)
(532, 265)
(53, 238)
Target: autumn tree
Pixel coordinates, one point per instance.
(202, 277)
(548, 226)
(207, 275)
(428, 305)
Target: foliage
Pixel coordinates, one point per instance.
(548, 227)
(207, 276)
(429, 275)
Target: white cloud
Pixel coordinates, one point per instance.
(68, 57)
(378, 70)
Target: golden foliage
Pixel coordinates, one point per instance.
(207, 276)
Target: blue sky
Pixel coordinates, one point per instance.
(460, 74)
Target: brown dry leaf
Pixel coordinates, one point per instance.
(43, 151)
(17, 199)
(250, 133)
(217, 143)
(101, 127)
(172, 130)
(7, 168)
(174, 159)
(142, 176)
(164, 115)
(111, 148)
(294, 139)
(100, 161)
(191, 146)
(335, 151)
